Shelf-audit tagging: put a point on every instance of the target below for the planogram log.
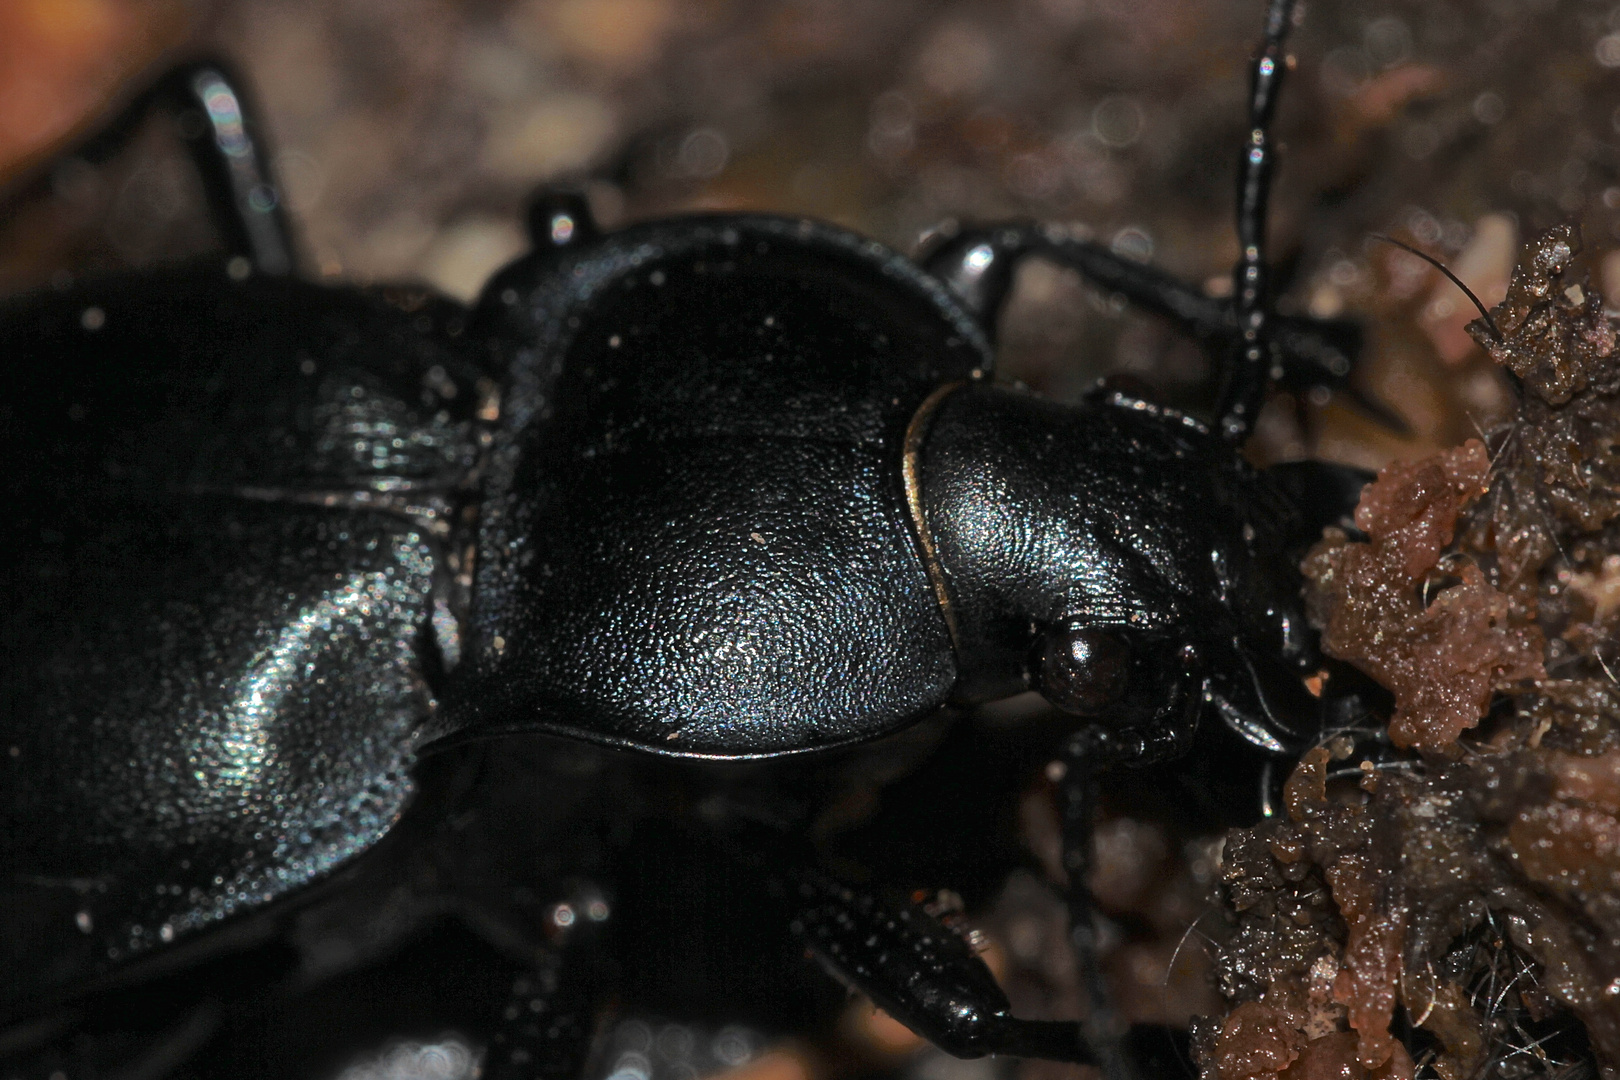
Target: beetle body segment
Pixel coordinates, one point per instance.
(1113, 515)
(222, 552)
(694, 537)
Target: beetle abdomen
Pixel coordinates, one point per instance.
(213, 671)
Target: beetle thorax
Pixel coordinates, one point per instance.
(1034, 516)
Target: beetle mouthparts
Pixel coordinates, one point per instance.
(1264, 700)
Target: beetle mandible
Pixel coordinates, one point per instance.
(722, 487)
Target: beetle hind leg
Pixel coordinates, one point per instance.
(216, 120)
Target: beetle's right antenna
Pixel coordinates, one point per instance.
(1250, 371)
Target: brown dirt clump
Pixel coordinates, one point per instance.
(1442, 653)
(1442, 897)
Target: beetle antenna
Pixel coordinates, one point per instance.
(1484, 314)
(1249, 371)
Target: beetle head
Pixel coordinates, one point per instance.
(1116, 557)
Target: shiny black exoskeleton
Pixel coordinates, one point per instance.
(719, 487)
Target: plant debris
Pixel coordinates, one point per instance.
(1442, 897)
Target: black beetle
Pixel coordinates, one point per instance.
(720, 487)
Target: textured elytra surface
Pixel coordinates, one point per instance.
(188, 377)
(218, 733)
(211, 689)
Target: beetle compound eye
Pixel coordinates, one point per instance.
(1084, 670)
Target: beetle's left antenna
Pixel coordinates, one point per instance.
(226, 139)
(1249, 372)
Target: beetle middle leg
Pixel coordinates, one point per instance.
(922, 973)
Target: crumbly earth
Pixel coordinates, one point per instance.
(1443, 893)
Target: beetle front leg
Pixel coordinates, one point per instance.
(1088, 753)
(978, 265)
(923, 974)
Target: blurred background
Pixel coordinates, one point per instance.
(409, 135)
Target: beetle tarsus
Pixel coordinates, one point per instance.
(922, 973)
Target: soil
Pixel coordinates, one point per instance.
(1448, 898)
